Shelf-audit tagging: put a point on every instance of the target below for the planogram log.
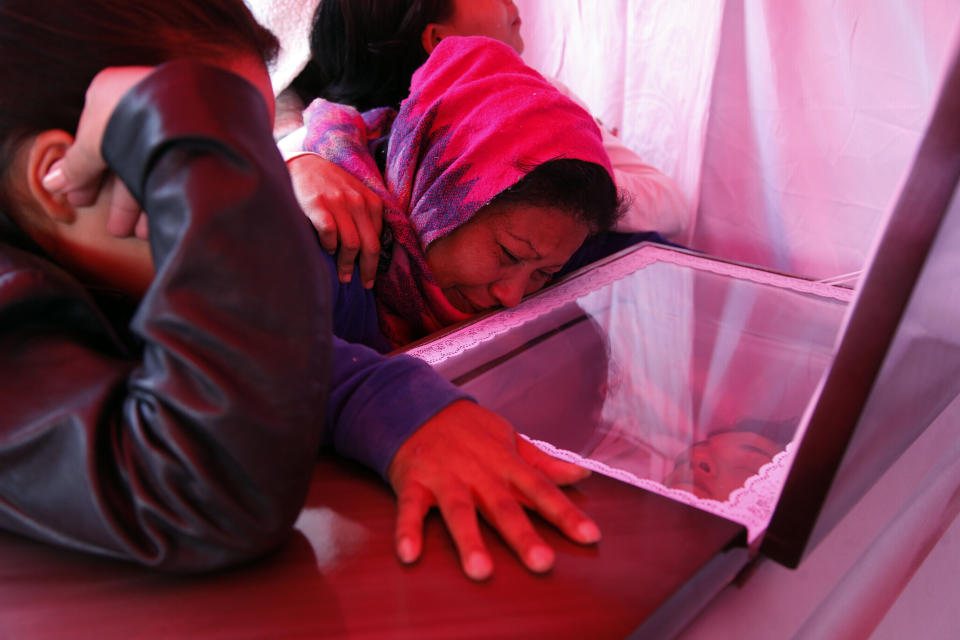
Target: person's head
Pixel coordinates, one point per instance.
(50, 52)
(512, 174)
(716, 467)
(364, 52)
(495, 178)
(513, 246)
(497, 19)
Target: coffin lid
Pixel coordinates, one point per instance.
(812, 500)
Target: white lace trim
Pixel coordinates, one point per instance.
(595, 278)
(751, 505)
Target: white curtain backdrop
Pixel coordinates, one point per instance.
(644, 67)
(815, 110)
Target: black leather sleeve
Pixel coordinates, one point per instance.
(194, 450)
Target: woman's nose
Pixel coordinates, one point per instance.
(508, 292)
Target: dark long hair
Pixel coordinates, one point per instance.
(50, 51)
(583, 190)
(364, 52)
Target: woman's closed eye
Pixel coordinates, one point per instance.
(507, 257)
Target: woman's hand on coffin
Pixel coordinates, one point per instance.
(468, 459)
(715, 467)
(343, 211)
(81, 173)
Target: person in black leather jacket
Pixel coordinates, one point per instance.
(164, 403)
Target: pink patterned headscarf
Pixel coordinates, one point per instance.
(477, 120)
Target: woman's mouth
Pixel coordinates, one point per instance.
(459, 300)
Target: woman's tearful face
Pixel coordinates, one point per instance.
(503, 254)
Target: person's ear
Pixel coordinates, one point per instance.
(432, 34)
(42, 152)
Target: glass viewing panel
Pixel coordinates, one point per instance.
(667, 370)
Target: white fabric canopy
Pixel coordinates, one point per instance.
(603, 52)
(789, 123)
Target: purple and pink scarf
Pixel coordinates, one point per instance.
(477, 120)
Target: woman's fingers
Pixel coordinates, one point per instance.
(466, 458)
(79, 174)
(413, 503)
(346, 209)
(125, 212)
(142, 231)
(80, 191)
(558, 471)
(370, 239)
(551, 503)
(460, 513)
(504, 512)
(347, 215)
(358, 220)
(325, 225)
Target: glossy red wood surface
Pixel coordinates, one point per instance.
(338, 577)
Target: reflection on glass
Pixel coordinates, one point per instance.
(683, 376)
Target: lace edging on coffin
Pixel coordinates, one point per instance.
(751, 505)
